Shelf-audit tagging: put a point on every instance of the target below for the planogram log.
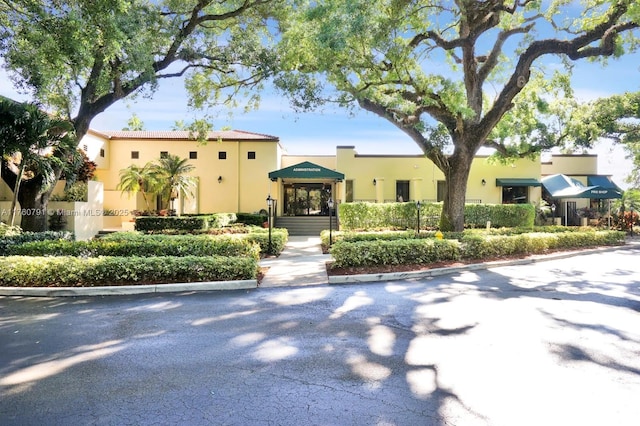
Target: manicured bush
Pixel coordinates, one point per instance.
(358, 216)
(7, 242)
(151, 224)
(398, 252)
(251, 218)
(143, 245)
(66, 271)
(279, 238)
(400, 249)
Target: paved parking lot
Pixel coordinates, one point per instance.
(552, 343)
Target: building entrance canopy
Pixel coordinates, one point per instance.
(562, 186)
(306, 170)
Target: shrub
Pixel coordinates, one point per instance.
(279, 238)
(142, 245)
(361, 215)
(9, 241)
(251, 218)
(154, 224)
(72, 271)
(9, 231)
(416, 251)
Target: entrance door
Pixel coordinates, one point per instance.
(306, 199)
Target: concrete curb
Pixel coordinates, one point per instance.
(394, 276)
(127, 289)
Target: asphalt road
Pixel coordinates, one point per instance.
(553, 343)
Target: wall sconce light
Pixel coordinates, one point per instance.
(484, 182)
(219, 179)
(374, 182)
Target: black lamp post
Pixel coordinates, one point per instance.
(269, 204)
(553, 214)
(330, 205)
(418, 205)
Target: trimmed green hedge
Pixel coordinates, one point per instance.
(362, 215)
(67, 271)
(398, 252)
(471, 246)
(251, 218)
(279, 238)
(7, 242)
(142, 245)
(188, 223)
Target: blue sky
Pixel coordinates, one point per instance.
(318, 133)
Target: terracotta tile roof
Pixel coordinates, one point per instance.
(226, 135)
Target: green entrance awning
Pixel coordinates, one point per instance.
(305, 170)
(562, 186)
(517, 182)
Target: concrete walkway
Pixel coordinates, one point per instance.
(300, 263)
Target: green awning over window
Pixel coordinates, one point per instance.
(517, 182)
(305, 170)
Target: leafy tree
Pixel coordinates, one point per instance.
(80, 57)
(134, 123)
(617, 118)
(36, 149)
(455, 75)
(172, 173)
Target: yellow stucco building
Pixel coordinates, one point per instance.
(236, 171)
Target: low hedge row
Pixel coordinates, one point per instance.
(419, 250)
(7, 242)
(363, 215)
(251, 234)
(189, 223)
(69, 271)
(142, 245)
(397, 252)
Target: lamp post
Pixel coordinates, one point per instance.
(269, 204)
(418, 206)
(553, 214)
(330, 205)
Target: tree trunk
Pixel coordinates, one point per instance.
(16, 191)
(33, 206)
(456, 175)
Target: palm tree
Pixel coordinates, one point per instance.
(173, 176)
(35, 150)
(138, 179)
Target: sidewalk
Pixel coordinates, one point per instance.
(300, 263)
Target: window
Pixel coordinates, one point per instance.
(193, 155)
(441, 190)
(135, 155)
(222, 155)
(102, 152)
(164, 154)
(515, 194)
(251, 155)
(402, 190)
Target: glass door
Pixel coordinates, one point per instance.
(306, 199)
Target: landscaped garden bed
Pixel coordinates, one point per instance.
(134, 258)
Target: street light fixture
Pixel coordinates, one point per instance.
(418, 206)
(330, 205)
(269, 204)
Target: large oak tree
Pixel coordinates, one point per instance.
(79, 57)
(453, 75)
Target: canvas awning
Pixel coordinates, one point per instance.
(305, 170)
(562, 186)
(517, 182)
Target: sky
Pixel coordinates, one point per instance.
(318, 133)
